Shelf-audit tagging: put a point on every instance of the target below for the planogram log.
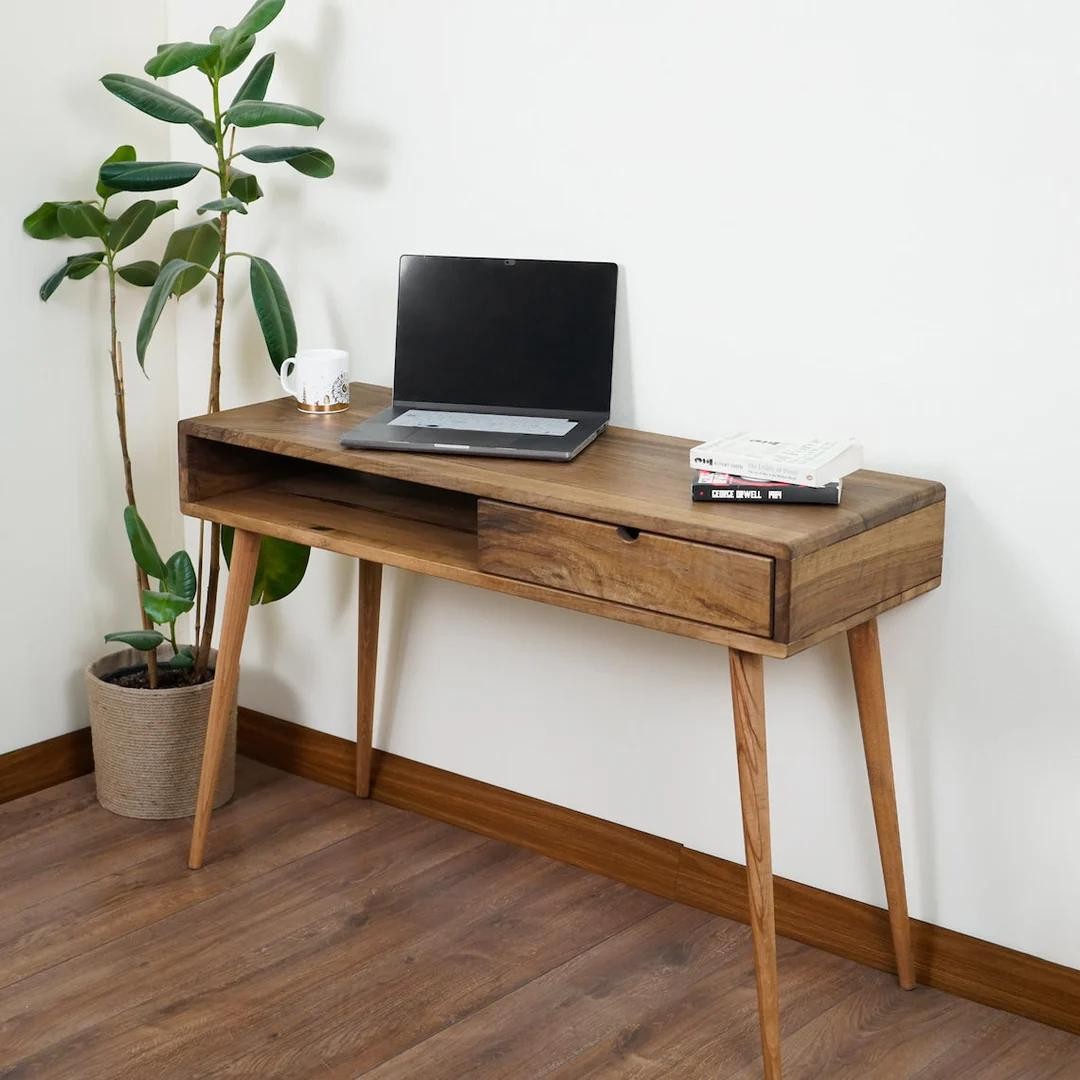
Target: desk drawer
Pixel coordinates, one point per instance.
(713, 585)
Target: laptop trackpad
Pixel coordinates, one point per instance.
(445, 439)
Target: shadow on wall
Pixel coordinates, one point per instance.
(361, 152)
(318, 70)
(622, 383)
(400, 589)
(1022, 672)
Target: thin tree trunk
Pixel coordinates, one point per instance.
(117, 357)
(202, 663)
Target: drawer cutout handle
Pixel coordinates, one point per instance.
(627, 534)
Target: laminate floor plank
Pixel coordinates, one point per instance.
(331, 937)
(879, 1031)
(1007, 1048)
(50, 859)
(20, 815)
(502, 934)
(280, 823)
(712, 1030)
(68, 1016)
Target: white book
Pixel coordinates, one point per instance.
(810, 461)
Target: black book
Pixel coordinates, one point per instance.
(724, 488)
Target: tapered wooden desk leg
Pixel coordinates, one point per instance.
(245, 557)
(748, 701)
(865, 649)
(367, 655)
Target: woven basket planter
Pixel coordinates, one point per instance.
(148, 744)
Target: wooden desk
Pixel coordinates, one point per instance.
(613, 533)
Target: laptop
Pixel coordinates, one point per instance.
(498, 357)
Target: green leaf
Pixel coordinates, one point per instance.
(237, 55)
(131, 224)
(149, 175)
(222, 206)
(164, 607)
(205, 131)
(274, 312)
(43, 223)
(248, 114)
(163, 206)
(196, 244)
(258, 17)
(82, 219)
(183, 659)
(121, 153)
(143, 273)
(76, 267)
(280, 568)
(143, 640)
(142, 544)
(254, 87)
(244, 186)
(180, 576)
(83, 266)
(155, 304)
(306, 159)
(152, 99)
(179, 56)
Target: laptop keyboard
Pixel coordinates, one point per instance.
(495, 422)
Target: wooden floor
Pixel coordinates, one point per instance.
(333, 937)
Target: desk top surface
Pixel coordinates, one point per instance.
(627, 477)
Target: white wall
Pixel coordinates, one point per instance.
(68, 577)
(859, 216)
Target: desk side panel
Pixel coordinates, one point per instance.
(829, 586)
(209, 468)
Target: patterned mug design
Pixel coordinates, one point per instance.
(318, 379)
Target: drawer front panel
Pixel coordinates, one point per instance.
(713, 585)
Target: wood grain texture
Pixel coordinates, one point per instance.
(128, 877)
(245, 557)
(43, 764)
(865, 650)
(209, 468)
(648, 862)
(302, 751)
(980, 970)
(637, 858)
(748, 704)
(336, 937)
(843, 625)
(832, 583)
(627, 477)
(367, 655)
(411, 541)
(678, 577)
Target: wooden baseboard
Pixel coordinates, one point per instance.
(950, 961)
(33, 768)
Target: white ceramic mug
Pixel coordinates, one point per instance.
(318, 379)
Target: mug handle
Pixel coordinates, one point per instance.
(293, 389)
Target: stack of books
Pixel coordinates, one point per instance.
(752, 467)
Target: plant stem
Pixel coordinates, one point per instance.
(198, 578)
(202, 659)
(116, 357)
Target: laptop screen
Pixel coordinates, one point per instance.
(505, 333)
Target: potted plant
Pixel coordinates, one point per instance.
(149, 703)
